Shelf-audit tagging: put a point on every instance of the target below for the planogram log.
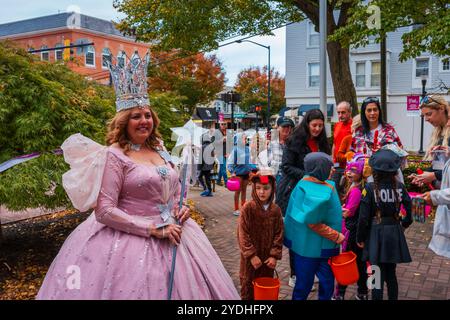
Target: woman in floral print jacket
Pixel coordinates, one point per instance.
(374, 132)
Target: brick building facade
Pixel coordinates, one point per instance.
(71, 28)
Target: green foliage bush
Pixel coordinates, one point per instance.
(41, 105)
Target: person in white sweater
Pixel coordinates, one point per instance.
(440, 242)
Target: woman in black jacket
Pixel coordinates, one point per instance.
(308, 136)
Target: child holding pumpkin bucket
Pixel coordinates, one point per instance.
(350, 212)
(260, 234)
(380, 229)
(240, 167)
(313, 224)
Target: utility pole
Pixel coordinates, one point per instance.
(383, 75)
(233, 124)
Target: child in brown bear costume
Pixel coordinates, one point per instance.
(260, 234)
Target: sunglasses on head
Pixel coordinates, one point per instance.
(371, 100)
(427, 100)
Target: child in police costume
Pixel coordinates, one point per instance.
(380, 226)
(313, 225)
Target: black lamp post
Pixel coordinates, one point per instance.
(424, 93)
(268, 79)
(231, 97)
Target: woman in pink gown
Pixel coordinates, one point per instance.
(124, 249)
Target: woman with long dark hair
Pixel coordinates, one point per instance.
(309, 136)
(374, 132)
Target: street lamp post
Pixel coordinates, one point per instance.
(268, 79)
(424, 93)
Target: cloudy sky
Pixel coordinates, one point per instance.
(234, 57)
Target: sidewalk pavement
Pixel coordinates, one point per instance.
(427, 277)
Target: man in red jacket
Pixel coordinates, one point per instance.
(341, 130)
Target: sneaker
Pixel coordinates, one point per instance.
(361, 297)
(210, 194)
(338, 297)
(292, 281)
(236, 213)
(204, 193)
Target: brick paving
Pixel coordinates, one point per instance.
(427, 277)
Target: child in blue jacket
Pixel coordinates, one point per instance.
(240, 166)
(313, 225)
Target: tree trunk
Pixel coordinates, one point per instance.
(344, 89)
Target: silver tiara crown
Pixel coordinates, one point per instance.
(130, 82)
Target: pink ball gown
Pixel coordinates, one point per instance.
(112, 255)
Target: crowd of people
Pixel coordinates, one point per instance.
(314, 198)
(364, 167)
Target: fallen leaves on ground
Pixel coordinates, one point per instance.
(195, 214)
(29, 247)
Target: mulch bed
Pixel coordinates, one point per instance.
(29, 247)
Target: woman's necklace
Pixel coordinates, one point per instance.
(135, 147)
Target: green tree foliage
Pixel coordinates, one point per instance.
(431, 20)
(201, 25)
(252, 85)
(198, 78)
(167, 106)
(41, 105)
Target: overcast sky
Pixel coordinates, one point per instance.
(234, 57)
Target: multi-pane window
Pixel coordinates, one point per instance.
(360, 74)
(422, 67)
(375, 75)
(90, 56)
(58, 53)
(313, 36)
(314, 74)
(106, 57)
(45, 55)
(121, 59)
(445, 64)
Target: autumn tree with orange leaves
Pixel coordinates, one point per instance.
(197, 78)
(252, 85)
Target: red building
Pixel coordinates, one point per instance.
(71, 28)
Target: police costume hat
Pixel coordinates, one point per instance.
(385, 161)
